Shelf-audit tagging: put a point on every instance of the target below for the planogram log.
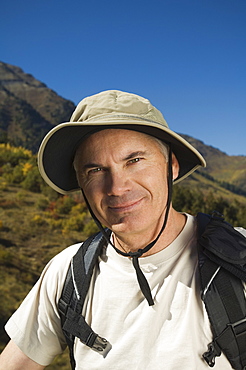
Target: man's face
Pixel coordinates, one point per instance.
(123, 174)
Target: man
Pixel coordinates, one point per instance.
(144, 295)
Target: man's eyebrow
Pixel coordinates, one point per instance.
(132, 155)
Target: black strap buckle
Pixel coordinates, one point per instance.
(213, 351)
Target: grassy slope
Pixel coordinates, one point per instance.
(26, 245)
(231, 169)
(199, 182)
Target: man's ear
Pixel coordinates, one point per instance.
(175, 166)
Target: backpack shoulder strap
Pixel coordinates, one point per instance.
(73, 295)
(224, 299)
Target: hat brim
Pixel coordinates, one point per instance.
(57, 151)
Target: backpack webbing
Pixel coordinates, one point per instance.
(224, 299)
(222, 294)
(74, 291)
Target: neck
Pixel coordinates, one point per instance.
(135, 241)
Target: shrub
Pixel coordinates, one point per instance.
(64, 205)
(32, 181)
(38, 220)
(7, 173)
(21, 196)
(55, 224)
(6, 257)
(74, 223)
(3, 184)
(26, 167)
(42, 204)
(90, 228)
(12, 155)
(47, 191)
(78, 209)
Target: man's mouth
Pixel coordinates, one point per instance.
(125, 207)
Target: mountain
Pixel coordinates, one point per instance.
(28, 108)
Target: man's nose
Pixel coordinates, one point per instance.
(117, 183)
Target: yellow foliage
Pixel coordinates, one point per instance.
(38, 220)
(3, 184)
(27, 167)
(74, 223)
(78, 209)
(10, 148)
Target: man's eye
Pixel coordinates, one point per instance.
(94, 170)
(134, 160)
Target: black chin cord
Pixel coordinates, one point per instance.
(143, 283)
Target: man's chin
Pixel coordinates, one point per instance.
(126, 224)
(125, 227)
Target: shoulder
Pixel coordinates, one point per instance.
(59, 264)
(66, 253)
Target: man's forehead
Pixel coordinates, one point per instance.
(121, 136)
(118, 131)
(120, 143)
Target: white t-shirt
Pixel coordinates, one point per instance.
(171, 335)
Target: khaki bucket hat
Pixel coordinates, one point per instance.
(108, 109)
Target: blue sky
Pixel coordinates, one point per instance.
(187, 56)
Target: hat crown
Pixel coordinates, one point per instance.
(113, 104)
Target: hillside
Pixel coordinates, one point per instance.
(222, 167)
(35, 224)
(28, 108)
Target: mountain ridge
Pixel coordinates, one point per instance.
(29, 109)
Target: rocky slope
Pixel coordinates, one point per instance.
(28, 108)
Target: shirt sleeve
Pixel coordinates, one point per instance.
(35, 327)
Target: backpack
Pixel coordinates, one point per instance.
(222, 268)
